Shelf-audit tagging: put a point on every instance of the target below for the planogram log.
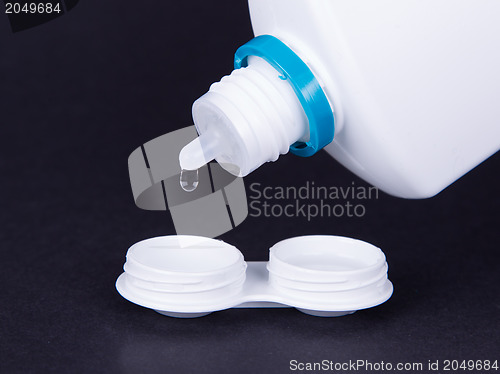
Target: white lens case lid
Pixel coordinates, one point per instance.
(189, 276)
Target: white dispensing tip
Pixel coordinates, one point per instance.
(199, 152)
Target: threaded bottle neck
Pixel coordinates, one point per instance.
(254, 113)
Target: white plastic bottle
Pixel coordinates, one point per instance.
(409, 89)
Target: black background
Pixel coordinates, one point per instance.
(78, 94)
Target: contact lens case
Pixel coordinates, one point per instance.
(191, 276)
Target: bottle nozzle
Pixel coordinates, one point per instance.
(199, 152)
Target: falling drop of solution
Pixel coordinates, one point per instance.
(189, 180)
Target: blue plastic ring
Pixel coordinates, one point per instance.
(306, 87)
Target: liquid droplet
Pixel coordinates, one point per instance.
(189, 180)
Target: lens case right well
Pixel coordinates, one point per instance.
(321, 274)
